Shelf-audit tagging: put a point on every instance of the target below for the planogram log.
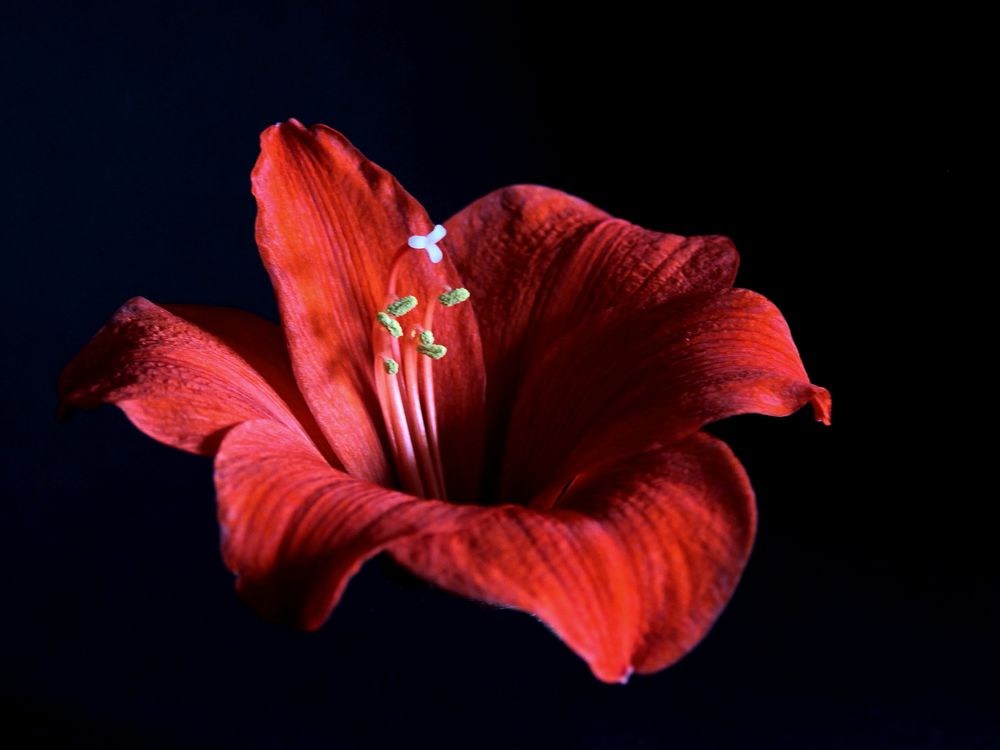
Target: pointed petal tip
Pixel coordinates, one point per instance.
(294, 126)
(292, 122)
(281, 128)
(611, 674)
(822, 405)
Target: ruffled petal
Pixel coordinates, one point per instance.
(630, 569)
(294, 529)
(538, 261)
(628, 380)
(185, 373)
(329, 225)
(529, 252)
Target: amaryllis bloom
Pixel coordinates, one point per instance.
(510, 404)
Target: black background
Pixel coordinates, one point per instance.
(826, 147)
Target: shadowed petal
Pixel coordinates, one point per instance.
(329, 224)
(629, 380)
(294, 529)
(185, 373)
(630, 570)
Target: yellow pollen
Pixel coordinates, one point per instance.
(434, 351)
(389, 324)
(453, 296)
(401, 306)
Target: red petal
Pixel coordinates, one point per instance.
(329, 224)
(186, 373)
(630, 571)
(538, 260)
(630, 379)
(632, 568)
(295, 530)
(529, 251)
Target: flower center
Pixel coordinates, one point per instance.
(405, 351)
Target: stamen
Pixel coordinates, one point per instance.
(454, 296)
(426, 337)
(400, 307)
(389, 324)
(434, 351)
(391, 365)
(394, 414)
(407, 460)
(417, 426)
(430, 407)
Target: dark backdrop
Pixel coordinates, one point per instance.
(823, 146)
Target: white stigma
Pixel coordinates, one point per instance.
(429, 242)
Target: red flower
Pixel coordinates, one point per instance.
(559, 436)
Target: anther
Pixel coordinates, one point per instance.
(389, 324)
(391, 365)
(434, 351)
(454, 296)
(426, 337)
(429, 242)
(401, 306)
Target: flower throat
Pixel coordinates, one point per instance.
(405, 351)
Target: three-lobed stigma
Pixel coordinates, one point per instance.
(429, 242)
